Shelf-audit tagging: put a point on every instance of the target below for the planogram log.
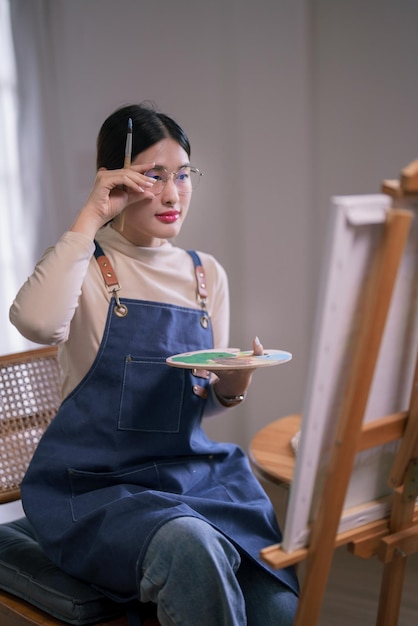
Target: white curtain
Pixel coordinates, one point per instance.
(15, 236)
(29, 107)
(36, 41)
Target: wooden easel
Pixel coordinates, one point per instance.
(393, 539)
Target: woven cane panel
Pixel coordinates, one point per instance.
(29, 398)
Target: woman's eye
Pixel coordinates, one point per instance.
(154, 174)
(182, 176)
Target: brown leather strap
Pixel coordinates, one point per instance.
(108, 273)
(202, 392)
(201, 282)
(111, 280)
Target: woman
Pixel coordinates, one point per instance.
(125, 490)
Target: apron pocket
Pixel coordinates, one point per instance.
(152, 396)
(91, 491)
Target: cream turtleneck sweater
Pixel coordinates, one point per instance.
(65, 300)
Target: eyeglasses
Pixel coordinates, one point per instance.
(186, 178)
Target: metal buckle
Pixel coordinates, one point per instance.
(121, 310)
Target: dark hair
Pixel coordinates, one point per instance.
(148, 127)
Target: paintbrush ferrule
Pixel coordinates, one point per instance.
(128, 145)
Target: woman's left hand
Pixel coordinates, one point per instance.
(232, 383)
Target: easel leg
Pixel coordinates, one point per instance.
(401, 516)
(312, 592)
(391, 592)
(394, 571)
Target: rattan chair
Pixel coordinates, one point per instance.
(33, 591)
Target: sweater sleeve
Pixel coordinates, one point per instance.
(44, 306)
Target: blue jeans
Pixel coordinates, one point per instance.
(196, 576)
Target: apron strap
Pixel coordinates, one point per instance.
(200, 276)
(106, 269)
(110, 279)
(202, 292)
(112, 283)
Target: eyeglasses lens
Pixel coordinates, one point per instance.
(186, 179)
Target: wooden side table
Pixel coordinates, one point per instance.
(270, 450)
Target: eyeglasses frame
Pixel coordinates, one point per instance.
(168, 175)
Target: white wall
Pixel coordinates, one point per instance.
(235, 76)
(365, 94)
(285, 102)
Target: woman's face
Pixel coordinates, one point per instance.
(150, 220)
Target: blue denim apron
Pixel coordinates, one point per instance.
(126, 453)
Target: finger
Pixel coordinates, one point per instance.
(125, 178)
(137, 182)
(258, 349)
(143, 168)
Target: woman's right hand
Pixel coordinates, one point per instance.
(112, 191)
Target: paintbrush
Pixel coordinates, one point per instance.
(126, 163)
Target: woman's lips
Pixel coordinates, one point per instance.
(168, 217)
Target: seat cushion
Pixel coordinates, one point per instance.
(27, 573)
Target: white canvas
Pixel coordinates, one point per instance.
(354, 231)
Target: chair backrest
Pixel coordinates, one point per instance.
(30, 394)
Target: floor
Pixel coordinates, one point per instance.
(353, 592)
(353, 587)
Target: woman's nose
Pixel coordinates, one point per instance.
(170, 192)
